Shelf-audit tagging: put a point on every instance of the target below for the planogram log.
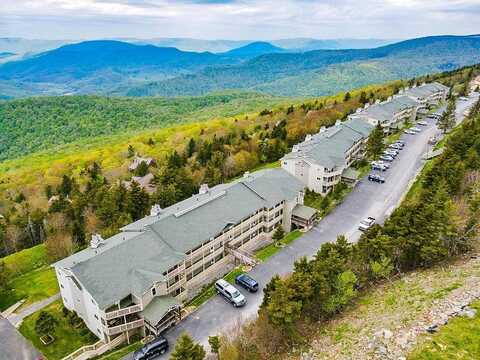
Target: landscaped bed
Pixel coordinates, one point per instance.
(68, 338)
(269, 250)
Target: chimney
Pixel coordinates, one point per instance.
(338, 122)
(203, 189)
(323, 129)
(246, 174)
(156, 210)
(308, 137)
(377, 101)
(96, 241)
(389, 98)
(367, 105)
(295, 148)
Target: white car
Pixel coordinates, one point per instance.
(423, 123)
(416, 129)
(366, 224)
(410, 132)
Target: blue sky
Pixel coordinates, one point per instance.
(237, 19)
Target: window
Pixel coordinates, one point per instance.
(61, 285)
(95, 316)
(154, 291)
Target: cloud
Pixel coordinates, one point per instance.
(237, 19)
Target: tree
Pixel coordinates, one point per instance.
(138, 202)
(66, 186)
(375, 143)
(191, 147)
(130, 151)
(186, 349)
(141, 169)
(45, 324)
(4, 277)
(214, 342)
(347, 97)
(447, 120)
(278, 234)
(363, 97)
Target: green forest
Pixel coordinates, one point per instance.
(41, 123)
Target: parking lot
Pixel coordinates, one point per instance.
(366, 199)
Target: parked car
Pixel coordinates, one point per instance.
(230, 293)
(391, 152)
(386, 164)
(386, 158)
(247, 282)
(415, 129)
(366, 224)
(151, 350)
(376, 178)
(423, 123)
(410, 132)
(463, 98)
(395, 146)
(379, 166)
(401, 142)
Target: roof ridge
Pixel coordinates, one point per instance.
(252, 190)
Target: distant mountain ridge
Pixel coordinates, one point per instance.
(119, 68)
(253, 49)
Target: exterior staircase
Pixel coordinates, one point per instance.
(99, 348)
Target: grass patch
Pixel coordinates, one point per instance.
(67, 338)
(459, 339)
(33, 286)
(325, 204)
(26, 260)
(269, 250)
(441, 293)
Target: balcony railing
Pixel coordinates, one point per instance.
(124, 327)
(122, 312)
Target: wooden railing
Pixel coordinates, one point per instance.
(99, 348)
(124, 327)
(122, 312)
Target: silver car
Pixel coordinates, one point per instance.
(230, 293)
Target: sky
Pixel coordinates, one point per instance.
(237, 19)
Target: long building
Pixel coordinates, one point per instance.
(135, 281)
(323, 159)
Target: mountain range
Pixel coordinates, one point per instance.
(120, 68)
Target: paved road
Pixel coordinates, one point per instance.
(366, 199)
(16, 319)
(16, 347)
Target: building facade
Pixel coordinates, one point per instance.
(136, 280)
(321, 160)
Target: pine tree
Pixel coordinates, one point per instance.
(138, 202)
(186, 349)
(191, 147)
(130, 151)
(375, 143)
(45, 324)
(447, 121)
(214, 342)
(278, 234)
(347, 97)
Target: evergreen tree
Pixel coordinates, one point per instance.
(447, 120)
(278, 234)
(214, 342)
(142, 169)
(191, 147)
(186, 349)
(4, 277)
(66, 186)
(375, 143)
(130, 151)
(363, 97)
(138, 202)
(347, 97)
(45, 324)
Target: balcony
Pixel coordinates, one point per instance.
(124, 327)
(122, 312)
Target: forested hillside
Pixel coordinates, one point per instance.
(82, 181)
(119, 68)
(34, 124)
(324, 72)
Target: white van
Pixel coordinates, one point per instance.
(230, 292)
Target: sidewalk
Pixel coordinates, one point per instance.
(16, 319)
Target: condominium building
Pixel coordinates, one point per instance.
(322, 159)
(135, 281)
(389, 114)
(427, 95)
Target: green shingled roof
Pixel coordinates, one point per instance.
(130, 262)
(158, 307)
